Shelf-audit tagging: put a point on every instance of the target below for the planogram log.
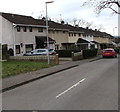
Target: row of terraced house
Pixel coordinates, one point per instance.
(25, 33)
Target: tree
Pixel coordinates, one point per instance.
(100, 5)
(86, 24)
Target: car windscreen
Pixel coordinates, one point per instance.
(108, 50)
(41, 51)
(50, 49)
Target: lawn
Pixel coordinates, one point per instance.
(10, 68)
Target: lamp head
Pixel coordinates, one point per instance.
(49, 2)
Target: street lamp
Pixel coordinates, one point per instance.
(114, 31)
(47, 31)
(14, 26)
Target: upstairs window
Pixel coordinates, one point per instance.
(40, 29)
(69, 34)
(25, 29)
(30, 29)
(72, 34)
(18, 28)
(79, 34)
(64, 32)
(75, 34)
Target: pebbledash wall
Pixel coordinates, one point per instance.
(59, 37)
(22, 41)
(7, 33)
(27, 38)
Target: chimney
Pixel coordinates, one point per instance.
(76, 26)
(95, 29)
(62, 22)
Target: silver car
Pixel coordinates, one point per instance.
(40, 52)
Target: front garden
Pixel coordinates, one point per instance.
(10, 68)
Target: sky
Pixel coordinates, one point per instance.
(67, 10)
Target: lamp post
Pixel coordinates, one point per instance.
(14, 25)
(47, 31)
(114, 31)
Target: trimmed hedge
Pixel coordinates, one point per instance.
(89, 53)
(66, 53)
(86, 53)
(5, 55)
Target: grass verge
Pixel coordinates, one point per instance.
(10, 68)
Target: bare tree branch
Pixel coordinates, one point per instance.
(104, 4)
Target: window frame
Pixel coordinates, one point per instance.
(17, 48)
(18, 28)
(40, 29)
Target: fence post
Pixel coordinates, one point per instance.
(57, 59)
(72, 56)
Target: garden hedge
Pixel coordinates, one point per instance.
(66, 53)
(89, 53)
(86, 53)
(5, 55)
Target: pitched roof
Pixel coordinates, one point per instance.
(95, 42)
(20, 19)
(28, 20)
(80, 40)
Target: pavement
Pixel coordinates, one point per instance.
(21, 79)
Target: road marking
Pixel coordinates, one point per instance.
(70, 88)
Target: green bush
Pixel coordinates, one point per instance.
(5, 55)
(66, 53)
(89, 53)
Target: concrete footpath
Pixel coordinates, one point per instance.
(21, 79)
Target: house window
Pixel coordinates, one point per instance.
(29, 47)
(30, 29)
(56, 47)
(92, 46)
(18, 28)
(24, 28)
(69, 34)
(79, 34)
(74, 34)
(17, 49)
(40, 29)
(64, 32)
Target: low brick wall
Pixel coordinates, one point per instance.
(53, 58)
(77, 56)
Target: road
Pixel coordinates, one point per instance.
(90, 86)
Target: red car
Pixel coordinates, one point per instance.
(109, 53)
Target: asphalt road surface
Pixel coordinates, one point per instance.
(90, 86)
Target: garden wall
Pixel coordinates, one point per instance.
(53, 58)
(77, 56)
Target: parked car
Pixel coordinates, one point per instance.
(109, 53)
(40, 52)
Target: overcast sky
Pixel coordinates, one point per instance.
(62, 9)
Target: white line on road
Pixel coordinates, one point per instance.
(70, 88)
